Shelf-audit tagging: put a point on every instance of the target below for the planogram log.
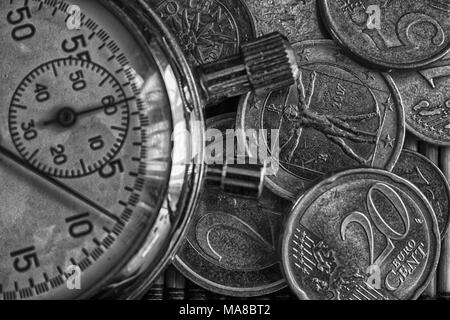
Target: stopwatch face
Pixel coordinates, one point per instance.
(85, 146)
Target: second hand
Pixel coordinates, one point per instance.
(73, 193)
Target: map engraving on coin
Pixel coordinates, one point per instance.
(425, 175)
(208, 30)
(363, 234)
(426, 97)
(297, 20)
(390, 34)
(232, 244)
(340, 115)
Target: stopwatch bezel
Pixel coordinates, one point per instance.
(172, 63)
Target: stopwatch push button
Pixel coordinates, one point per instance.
(243, 180)
(263, 65)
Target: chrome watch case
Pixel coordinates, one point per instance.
(161, 240)
(189, 92)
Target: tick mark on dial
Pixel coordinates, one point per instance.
(101, 137)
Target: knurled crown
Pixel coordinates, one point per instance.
(270, 63)
(263, 65)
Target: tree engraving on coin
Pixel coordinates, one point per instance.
(339, 115)
(426, 97)
(297, 20)
(408, 33)
(363, 234)
(425, 175)
(231, 247)
(208, 30)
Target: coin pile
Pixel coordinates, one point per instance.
(353, 211)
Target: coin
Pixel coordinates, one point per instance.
(426, 97)
(232, 244)
(298, 20)
(208, 30)
(424, 174)
(339, 116)
(390, 34)
(363, 234)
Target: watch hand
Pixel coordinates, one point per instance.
(18, 160)
(67, 117)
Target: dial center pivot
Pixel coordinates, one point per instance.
(66, 117)
(69, 89)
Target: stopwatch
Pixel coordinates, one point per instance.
(102, 142)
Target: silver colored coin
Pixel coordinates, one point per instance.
(298, 20)
(232, 244)
(339, 116)
(426, 97)
(390, 34)
(363, 234)
(424, 174)
(208, 30)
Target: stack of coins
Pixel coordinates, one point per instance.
(356, 201)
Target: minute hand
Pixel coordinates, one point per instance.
(68, 190)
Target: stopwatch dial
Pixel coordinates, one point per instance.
(69, 117)
(85, 145)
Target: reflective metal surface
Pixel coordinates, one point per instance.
(340, 115)
(426, 97)
(425, 175)
(393, 34)
(361, 235)
(298, 20)
(100, 223)
(232, 243)
(207, 30)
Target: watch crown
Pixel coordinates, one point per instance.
(263, 65)
(242, 180)
(270, 63)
